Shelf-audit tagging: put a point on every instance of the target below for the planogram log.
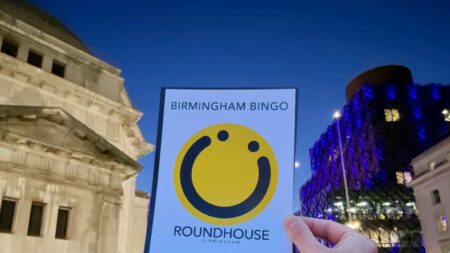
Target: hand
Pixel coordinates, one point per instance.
(303, 232)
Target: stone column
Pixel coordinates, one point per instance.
(126, 214)
(109, 226)
(47, 62)
(1, 40)
(22, 53)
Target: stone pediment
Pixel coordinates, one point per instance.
(57, 129)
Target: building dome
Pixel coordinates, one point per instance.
(393, 74)
(41, 20)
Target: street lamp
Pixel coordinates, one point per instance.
(337, 116)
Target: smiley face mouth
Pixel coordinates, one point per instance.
(260, 190)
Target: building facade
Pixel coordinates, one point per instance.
(69, 142)
(432, 192)
(386, 122)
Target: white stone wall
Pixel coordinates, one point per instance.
(27, 85)
(139, 225)
(92, 223)
(432, 172)
(106, 216)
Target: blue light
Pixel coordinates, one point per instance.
(354, 171)
(345, 115)
(421, 132)
(417, 113)
(422, 249)
(435, 92)
(380, 154)
(365, 164)
(413, 92)
(396, 248)
(361, 142)
(348, 133)
(367, 91)
(355, 102)
(391, 92)
(351, 150)
(358, 122)
(367, 183)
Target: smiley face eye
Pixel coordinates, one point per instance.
(222, 135)
(253, 146)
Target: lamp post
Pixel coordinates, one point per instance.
(336, 116)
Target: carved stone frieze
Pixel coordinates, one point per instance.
(46, 165)
(19, 159)
(93, 176)
(71, 171)
(115, 182)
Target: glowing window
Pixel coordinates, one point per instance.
(400, 177)
(442, 223)
(408, 177)
(446, 114)
(391, 115)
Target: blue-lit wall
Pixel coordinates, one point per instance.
(374, 149)
(360, 154)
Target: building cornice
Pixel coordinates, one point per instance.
(57, 178)
(425, 177)
(57, 86)
(77, 130)
(59, 46)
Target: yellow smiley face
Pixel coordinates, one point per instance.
(225, 174)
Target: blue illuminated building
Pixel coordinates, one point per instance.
(386, 122)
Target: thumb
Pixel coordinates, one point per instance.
(300, 234)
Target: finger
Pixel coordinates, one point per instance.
(326, 229)
(301, 235)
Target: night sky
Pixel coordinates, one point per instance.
(317, 46)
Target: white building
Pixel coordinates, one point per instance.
(432, 191)
(69, 142)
